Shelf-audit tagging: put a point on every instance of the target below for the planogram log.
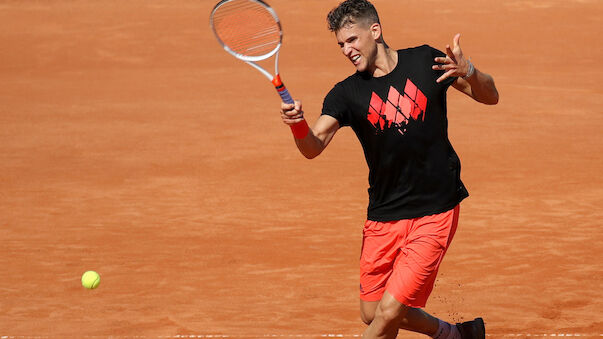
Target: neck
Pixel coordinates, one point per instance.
(386, 61)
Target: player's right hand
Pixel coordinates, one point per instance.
(292, 113)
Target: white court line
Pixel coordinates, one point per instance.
(234, 336)
(553, 335)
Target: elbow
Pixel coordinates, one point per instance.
(494, 100)
(310, 150)
(310, 155)
(491, 99)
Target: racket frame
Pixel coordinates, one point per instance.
(252, 60)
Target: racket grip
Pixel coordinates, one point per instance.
(285, 96)
(282, 90)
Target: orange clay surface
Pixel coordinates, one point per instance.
(133, 145)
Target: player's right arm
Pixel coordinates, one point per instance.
(318, 137)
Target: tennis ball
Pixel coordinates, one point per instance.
(90, 280)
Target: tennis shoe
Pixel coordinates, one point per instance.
(474, 329)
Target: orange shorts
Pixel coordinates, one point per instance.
(403, 257)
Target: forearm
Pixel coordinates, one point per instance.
(483, 88)
(310, 146)
(312, 141)
(309, 141)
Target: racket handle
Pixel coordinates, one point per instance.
(285, 96)
(282, 90)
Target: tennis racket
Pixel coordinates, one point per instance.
(250, 31)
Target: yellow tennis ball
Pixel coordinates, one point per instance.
(90, 280)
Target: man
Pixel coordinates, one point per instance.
(396, 104)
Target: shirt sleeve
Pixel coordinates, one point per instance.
(336, 106)
(438, 73)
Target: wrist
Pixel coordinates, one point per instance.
(300, 129)
(470, 71)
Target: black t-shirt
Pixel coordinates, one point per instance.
(400, 120)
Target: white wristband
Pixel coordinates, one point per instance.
(470, 71)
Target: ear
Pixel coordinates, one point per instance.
(376, 31)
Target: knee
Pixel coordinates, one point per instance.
(367, 317)
(388, 310)
(387, 315)
(367, 311)
(390, 313)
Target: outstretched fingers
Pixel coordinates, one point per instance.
(453, 63)
(457, 40)
(445, 64)
(446, 75)
(450, 53)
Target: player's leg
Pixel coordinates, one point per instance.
(381, 250)
(416, 269)
(388, 315)
(416, 319)
(391, 315)
(381, 246)
(422, 244)
(367, 311)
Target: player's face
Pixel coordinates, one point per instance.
(358, 42)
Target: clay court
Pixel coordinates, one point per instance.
(133, 145)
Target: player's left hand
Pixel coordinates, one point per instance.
(454, 63)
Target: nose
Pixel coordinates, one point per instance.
(346, 49)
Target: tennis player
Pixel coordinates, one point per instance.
(395, 102)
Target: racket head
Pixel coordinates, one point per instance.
(248, 29)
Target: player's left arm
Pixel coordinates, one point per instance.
(471, 81)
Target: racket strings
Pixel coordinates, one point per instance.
(247, 28)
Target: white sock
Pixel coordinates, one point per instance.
(443, 330)
(446, 331)
(454, 333)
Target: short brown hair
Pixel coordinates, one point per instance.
(350, 12)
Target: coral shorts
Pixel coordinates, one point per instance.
(403, 257)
